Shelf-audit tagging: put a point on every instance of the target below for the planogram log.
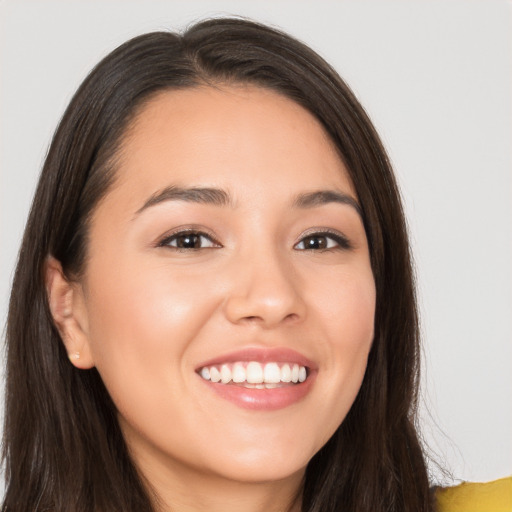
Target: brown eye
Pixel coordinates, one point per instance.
(189, 241)
(315, 242)
(322, 242)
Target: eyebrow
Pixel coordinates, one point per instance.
(219, 197)
(212, 196)
(321, 197)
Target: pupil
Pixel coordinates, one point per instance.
(315, 242)
(190, 241)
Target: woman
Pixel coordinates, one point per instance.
(214, 305)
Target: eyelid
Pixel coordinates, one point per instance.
(186, 230)
(341, 239)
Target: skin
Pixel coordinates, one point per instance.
(146, 314)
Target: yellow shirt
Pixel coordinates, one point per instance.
(471, 497)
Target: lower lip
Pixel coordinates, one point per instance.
(262, 399)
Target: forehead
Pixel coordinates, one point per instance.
(228, 136)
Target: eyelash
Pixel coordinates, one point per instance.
(166, 242)
(342, 243)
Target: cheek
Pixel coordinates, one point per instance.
(346, 309)
(353, 327)
(346, 322)
(141, 305)
(141, 325)
(142, 321)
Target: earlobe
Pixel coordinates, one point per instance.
(67, 307)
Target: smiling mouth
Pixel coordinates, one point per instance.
(253, 374)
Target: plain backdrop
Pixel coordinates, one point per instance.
(435, 77)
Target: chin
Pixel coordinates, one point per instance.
(261, 463)
(270, 471)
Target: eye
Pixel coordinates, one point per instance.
(189, 240)
(323, 241)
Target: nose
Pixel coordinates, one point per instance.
(265, 290)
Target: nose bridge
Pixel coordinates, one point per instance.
(264, 287)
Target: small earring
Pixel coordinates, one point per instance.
(74, 356)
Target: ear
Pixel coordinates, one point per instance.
(69, 312)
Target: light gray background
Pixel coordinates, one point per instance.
(435, 77)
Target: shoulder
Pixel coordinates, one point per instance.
(493, 496)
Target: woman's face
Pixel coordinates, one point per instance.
(230, 247)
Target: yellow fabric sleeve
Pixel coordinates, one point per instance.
(475, 497)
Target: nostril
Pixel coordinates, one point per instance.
(290, 318)
(259, 306)
(252, 319)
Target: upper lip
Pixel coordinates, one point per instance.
(261, 355)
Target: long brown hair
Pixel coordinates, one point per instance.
(63, 448)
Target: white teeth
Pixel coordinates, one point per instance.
(254, 374)
(286, 373)
(214, 374)
(295, 373)
(238, 373)
(225, 374)
(271, 373)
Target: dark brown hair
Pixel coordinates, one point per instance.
(63, 449)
